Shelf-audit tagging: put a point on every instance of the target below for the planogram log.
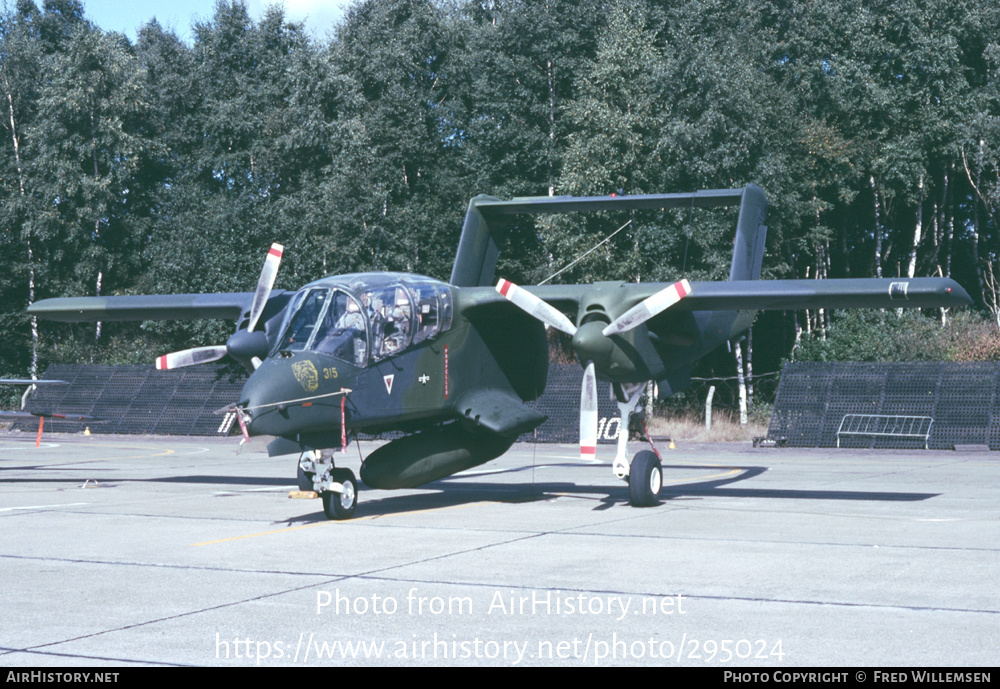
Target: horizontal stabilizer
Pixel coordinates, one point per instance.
(499, 412)
(532, 205)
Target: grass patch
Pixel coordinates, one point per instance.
(690, 427)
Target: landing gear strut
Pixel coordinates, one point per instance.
(645, 473)
(337, 487)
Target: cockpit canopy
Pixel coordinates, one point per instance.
(366, 317)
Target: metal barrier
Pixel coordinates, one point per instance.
(963, 399)
(142, 400)
(885, 426)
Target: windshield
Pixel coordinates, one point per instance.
(327, 321)
(342, 330)
(300, 327)
(389, 315)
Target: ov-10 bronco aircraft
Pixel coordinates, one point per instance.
(452, 364)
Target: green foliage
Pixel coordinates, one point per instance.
(888, 336)
(169, 167)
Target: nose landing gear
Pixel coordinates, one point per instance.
(337, 487)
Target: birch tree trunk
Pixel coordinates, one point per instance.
(16, 141)
(741, 380)
(918, 228)
(878, 227)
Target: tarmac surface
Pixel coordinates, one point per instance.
(154, 551)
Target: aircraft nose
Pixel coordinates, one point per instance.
(288, 396)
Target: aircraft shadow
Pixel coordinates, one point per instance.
(456, 491)
(111, 480)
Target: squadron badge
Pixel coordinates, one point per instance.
(307, 375)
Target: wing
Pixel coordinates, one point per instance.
(29, 416)
(31, 381)
(746, 295)
(795, 295)
(167, 307)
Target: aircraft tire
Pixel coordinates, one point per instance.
(304, 479)
(644, 479)
(341, 505)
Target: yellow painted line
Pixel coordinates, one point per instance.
(732, 472)
(110, 459)
(331, 521)
(269, 533)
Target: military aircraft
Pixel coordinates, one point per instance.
(452, 364)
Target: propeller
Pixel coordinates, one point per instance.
(589, 341)
(648, 307)
(242, 342)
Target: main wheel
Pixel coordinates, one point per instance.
(644, 479)
(341, 505)
(304, 479)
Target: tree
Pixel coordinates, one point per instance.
(20, 58)
(400, 54)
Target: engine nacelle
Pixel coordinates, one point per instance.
(417, 459)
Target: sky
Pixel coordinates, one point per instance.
(126, 16)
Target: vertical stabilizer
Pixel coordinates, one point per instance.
(748, 247)
(477, 255)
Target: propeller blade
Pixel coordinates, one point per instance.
(202, 355)
(264, 285)
(649, 307)
(190, 357)
(588, 414)
(546, 313)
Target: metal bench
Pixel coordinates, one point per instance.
(885, 426)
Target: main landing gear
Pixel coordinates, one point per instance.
(644, 479)
(337, 487)
(645, 472)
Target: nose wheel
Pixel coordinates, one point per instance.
(340, 504)
(337, 487)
